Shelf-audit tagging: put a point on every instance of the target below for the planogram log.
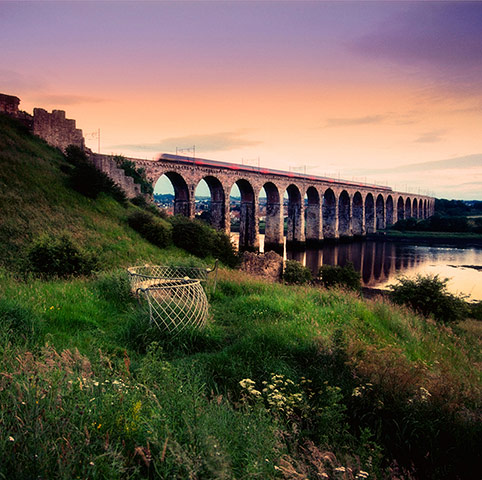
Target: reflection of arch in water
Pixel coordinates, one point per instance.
(388, 262)
(329, 214)
(248, 228)
(367, 269)
(389, 207)
(295, 227)
(378, 260)
(313, 259)
(369, 214)
(313, 215)
(356, 254)
(357, 215)
(273, 239)
(380, 208)
(344, 217)
(329, 254)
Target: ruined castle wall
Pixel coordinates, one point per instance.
(108, 165)
(56, 130)
(9, 104)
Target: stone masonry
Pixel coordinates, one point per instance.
(9, 105)
(57, 130)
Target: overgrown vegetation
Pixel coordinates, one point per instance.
(428, 296)
(201, 240)
(154, 229)
(138, 174)
(284, 382)
(59, 256)
(340, 276)
(87, 179)
(295, 273)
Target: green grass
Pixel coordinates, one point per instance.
(89, 389)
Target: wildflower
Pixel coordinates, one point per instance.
(340, 469)
(11, 439)
(51, 308)
(91, 464)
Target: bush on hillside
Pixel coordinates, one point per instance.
(86, 179)
(337, 276)
(59, 256)
(155, 230)
(428, 296)
(138, 174)
(296, 273)
(203, 241)
(140, 201)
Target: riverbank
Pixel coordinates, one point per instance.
(458, 239)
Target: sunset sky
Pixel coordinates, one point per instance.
(390, 92)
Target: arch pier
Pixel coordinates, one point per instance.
(316, 208)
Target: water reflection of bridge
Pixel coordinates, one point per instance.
(376, 261)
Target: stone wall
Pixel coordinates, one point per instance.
(108, 165)
(9, 104)
(56, 130)
(267, 265)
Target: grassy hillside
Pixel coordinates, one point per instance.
(284, 382)
(35, 198)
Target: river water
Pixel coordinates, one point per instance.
(381, 262)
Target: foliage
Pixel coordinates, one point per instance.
(155, 230)
(295, 273)
(18, 324)
(138, 174)
(87, 179)
(428, 296)
(338, 276)
(201, 240)
(59, 256)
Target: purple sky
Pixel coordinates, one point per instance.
(391, 91)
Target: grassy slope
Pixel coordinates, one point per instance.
(35, 198)
(178, 411)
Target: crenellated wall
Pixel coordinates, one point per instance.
(57, 130)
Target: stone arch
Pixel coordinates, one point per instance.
(380, 212)
(313, 215)
(182, 199)
(400, 209)
(389, 211)
(369, 213)
(420, 208)
(344, 214)
(329, 211)
(415, 208)
(273, 234)
(425, 209)
(217, 210)
(358, 218)
(295, 227)
(408, 208)
(248, 226)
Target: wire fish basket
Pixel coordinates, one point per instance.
(145, 275)
(174, 295)
(176, 304)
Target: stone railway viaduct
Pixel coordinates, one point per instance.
(332, 209)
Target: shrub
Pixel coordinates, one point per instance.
(86, 179)
(428, 296)
(203, 241)
(155, 230)
(337, 276)
(296, 273)
(138, 174)
(59, 256)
